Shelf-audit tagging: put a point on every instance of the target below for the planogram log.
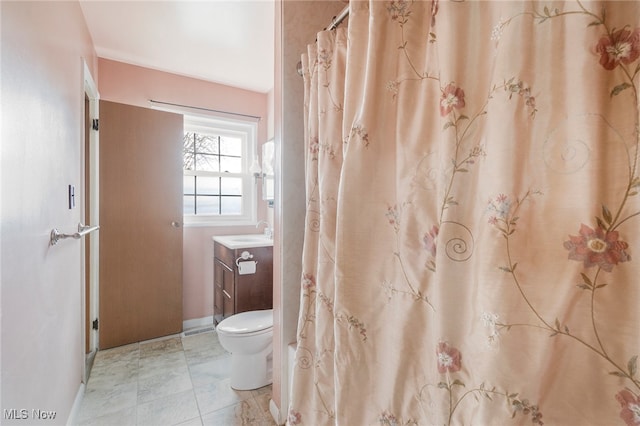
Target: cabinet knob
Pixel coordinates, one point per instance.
(175, 224)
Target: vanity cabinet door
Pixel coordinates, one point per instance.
(218, 296)
(224, 291)
(228, 291)
(224, 282)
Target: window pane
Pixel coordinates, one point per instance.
(188, 141)
(208, 185)
(231, 205)
(188, 162)
(206, 144)
(208, 205)
(207, 163)
(231, 186)
(231, 164)
(187, 149)
(188, 184)
(230, 146)
(189, 203)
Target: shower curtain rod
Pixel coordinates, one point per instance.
(207, 109)
(337, 20)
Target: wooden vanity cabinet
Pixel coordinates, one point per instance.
(235, 293)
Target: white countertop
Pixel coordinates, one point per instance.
(244, 241)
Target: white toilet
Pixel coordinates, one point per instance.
(249, 338)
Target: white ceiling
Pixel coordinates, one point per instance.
(230, 42)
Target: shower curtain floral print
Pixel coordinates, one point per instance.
(473, 217)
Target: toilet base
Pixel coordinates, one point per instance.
(250, 372)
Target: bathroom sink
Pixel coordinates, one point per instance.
(244, 241)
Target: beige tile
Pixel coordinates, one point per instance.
(118, 365)
(170, 381)
(244, 413)
(105, 356)
(204, 374)
(163, 384)
(265, 389)
(105, 375)
(218, 395)
(98, 402)
(164, 345)
(193, 422)
(263, 397)
(199, 340)
(160, 363)
(203, 348)
(125, 417)
(169, 410)
(263, 400)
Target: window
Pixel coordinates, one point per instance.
(218, 186)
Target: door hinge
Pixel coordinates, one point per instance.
(95, 124)
(95, 324)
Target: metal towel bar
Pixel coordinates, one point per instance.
(82, 231)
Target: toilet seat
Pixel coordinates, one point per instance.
(246, 323)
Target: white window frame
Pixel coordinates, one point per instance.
(247, 132)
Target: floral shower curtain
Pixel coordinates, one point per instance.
(473, 217)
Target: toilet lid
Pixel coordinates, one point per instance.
(247, 322)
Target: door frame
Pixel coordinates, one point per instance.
(90, 91)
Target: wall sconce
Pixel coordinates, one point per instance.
(256, 169)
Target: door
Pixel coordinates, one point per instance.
(140, 218)
(86, 219)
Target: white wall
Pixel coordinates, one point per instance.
(42, 100)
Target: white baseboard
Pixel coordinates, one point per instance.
(275, 413)
(197, 322)
(75, 409)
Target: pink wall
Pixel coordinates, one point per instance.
(42, 101)
(135, 85)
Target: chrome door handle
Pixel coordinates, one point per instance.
(175, 224)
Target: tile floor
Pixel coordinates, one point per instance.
(171, 381)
